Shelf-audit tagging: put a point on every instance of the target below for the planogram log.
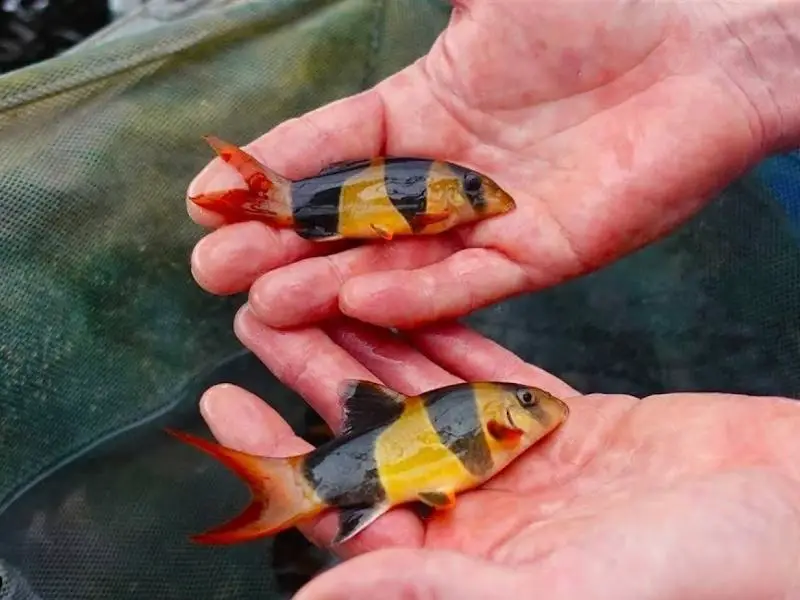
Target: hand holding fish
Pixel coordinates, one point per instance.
(664, 498)
(607, 123)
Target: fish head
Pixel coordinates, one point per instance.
(470, 195)
(530, 412)
(493, 200)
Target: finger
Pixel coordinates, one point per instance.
(318, 280)
(305, 360)
(203, 216)
(416, 575)
(397, 364)
(468, 354)
(470, 279)
(350, 128)
(240, 420)
(229, 260)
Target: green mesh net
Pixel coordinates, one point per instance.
(105, 337)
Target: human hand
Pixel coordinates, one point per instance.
(609, 122)
(669, 497)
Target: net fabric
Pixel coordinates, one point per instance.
(104, 332)
(106, 338)
(712, 307)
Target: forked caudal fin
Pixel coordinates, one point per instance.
(266, 198)
(277, 501)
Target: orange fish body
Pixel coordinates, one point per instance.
(377, 198)
(393, 450)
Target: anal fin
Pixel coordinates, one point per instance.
(354, 520)
(440, 500)
(382, 232)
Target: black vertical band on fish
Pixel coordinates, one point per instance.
(406, 182)
(393, 450)
(454, 414)
(377, 198)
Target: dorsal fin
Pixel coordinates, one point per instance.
(366, 405)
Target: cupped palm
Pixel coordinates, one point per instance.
(673, 496)
(609, 122)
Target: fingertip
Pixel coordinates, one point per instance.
(388, 299)
(197, 267)
(203, 217)
(270, 297)
(244, 323)
(243, 421)
(217, 175)
(229, 260)
(215, 401)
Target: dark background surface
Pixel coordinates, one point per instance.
(33, 30)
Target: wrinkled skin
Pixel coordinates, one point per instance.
(610, 123)
(673, 497)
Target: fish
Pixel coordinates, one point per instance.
(378, 198)
(393, 450)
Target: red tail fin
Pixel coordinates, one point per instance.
(277, 504)
(266, 197)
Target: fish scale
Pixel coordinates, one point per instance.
(393, 450)
(376, 198)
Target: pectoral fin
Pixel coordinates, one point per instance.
(504, 433)
(382, 232)
(353, 520)
(422, 220)
(440, 500)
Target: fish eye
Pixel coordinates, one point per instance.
(526, 398)
(472, 182)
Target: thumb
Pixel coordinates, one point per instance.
(411, 574)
